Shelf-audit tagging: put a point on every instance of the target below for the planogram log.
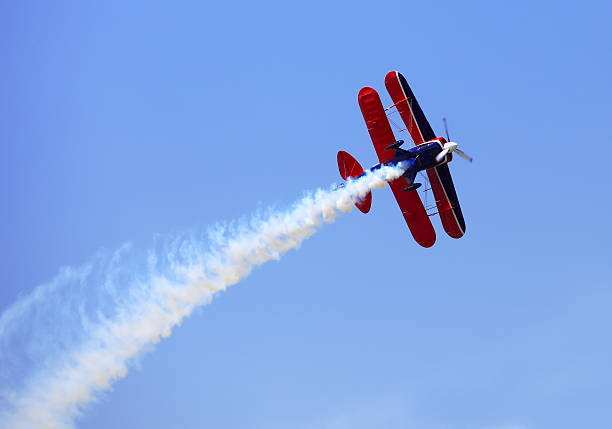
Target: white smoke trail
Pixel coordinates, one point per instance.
(144, 311)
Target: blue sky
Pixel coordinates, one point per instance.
(120, 122)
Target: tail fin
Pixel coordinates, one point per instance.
(350, 168)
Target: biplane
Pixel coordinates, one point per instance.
(431, 154)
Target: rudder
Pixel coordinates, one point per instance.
(351, 169)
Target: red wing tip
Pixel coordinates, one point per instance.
(366, 90)
(455, 234)
(393, 74)
(427, 244)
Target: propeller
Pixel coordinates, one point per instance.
(450, 147)
(446, 130)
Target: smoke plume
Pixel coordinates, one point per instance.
(71, 339)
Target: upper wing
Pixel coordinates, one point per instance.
(377, 123)
(382, 136)
(408, 108)
(420, 130)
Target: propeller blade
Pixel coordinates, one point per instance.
(441, 155)
(463, 155)
(446, 130)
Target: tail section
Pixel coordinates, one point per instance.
(350, 168)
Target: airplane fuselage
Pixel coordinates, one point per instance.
(418, 158)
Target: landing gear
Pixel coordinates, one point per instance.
(412, 187)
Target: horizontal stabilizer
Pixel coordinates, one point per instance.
(351, 169)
